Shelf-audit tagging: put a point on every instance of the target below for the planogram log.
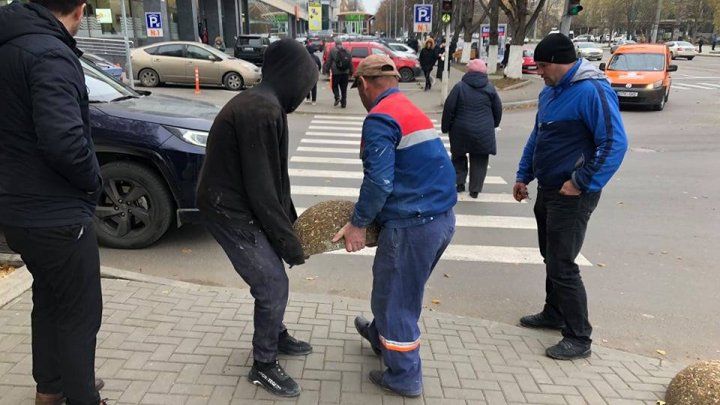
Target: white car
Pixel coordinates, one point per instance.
(589, 50)
(402, 50)
(681, 49)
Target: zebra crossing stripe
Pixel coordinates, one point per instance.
(342, 128)
(355, 192)
(711, 85)
(479, 253)
(338, 142)
(679, 87)
(336, 161)
(346, 118)
(336, 174)
(351, 151)
(485, 221)
(697, 86)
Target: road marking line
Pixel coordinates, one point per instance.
(345, 117)
(697, 86)
(355, 192)
(711, 85)
(479, 253)
(358, 174)
(337, 142)
(679, 87)
(342, 128)
(337, 161)
(355, 151)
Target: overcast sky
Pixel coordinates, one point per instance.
(371, 6)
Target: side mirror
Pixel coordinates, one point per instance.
(602, 66)
(672, 68)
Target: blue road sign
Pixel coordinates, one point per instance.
(423, 13)
(153, 21)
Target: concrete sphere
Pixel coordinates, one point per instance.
(698, 384)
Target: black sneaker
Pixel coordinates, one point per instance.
(569, 350)
(474, 195)
(274, 380)
(376, 377)
(337, 102)
(540, 320)
(460, 188)
(291, 346)
(362, 325)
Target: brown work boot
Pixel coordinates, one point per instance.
(59, 398)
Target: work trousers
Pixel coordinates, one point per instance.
(478, 170)
(255, 260)
(67, 306)
(561, 224)
(339, 88)
(404, 260)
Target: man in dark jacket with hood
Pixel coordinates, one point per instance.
(244, 194)
(49, 184)
(340, 74)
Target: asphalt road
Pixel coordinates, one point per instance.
(652, 281)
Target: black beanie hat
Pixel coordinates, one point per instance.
(555, 48)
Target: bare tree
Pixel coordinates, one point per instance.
(520, 18)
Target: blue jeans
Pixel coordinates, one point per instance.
(255, 260)
(561, 223)
(404, 260)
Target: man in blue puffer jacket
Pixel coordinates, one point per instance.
(577, 144)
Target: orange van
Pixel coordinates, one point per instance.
(640, 74)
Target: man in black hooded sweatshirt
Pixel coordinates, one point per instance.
(244, 195)
(49, 186)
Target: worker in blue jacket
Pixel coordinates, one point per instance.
(576, 146)
(409, 188)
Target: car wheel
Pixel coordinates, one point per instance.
(149, 78)
(672, 56)
(661, 105)
(135, 208)
(690, 58)
(406, 75)
(233, 81)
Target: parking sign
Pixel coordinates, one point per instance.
(153, 22)
(423, 17)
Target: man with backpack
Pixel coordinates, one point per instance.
(341, 67)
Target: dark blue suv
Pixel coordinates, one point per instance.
(150, 150)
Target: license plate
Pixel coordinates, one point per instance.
(627, 93)
(532, 67)
(247, 49)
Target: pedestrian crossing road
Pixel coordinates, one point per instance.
(326, 165)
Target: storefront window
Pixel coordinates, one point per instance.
(173, 19)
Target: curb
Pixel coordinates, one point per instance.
(14, 285)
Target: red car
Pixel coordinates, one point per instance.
(528, 64)
(409, 68)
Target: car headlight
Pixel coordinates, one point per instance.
(192, 136)
(656, 85)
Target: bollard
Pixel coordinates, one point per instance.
(197, 81)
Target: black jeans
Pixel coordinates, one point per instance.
(255, 260)
(67, 306)
(313, 93)
(478, 170)
(561, 223)
(339, 88)
(428, 79)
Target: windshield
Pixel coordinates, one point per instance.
(528, 52)
(638, 62)
(687, 44)
(586, 45)
(101, 87)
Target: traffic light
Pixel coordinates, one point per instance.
(574, 7)
(446, 9)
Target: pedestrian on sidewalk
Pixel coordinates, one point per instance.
(576, 145)
(471, 113)
(408, 189)
(714, 40)
(413, 43)
(427, 60)
(701, 42)
(49, 188)
(313, 92)
(244, 197)
(341, 67)
(440, 56)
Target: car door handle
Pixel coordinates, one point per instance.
(156, 60)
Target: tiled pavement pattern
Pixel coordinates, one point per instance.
(165, 342)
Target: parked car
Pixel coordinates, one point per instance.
(620, 42)
(528, 63)
(640, 74)
(150, 149)
(584, 38)
(588, 50)
(681, 49)
(402, 50)
(409, 68)
(176, 61)
(251, 48)
(108, 67)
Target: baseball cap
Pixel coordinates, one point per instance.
(374, 66)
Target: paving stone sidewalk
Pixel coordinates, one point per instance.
(168, 342)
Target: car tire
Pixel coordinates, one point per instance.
(233, 81)
(135, 207)
(149, 78)
(661, 105)
(690, 58)
(672, 56)
(406, 75)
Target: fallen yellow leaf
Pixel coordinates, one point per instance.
(601, 265)
(661, 352)
(435, 301)
(186, 251)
